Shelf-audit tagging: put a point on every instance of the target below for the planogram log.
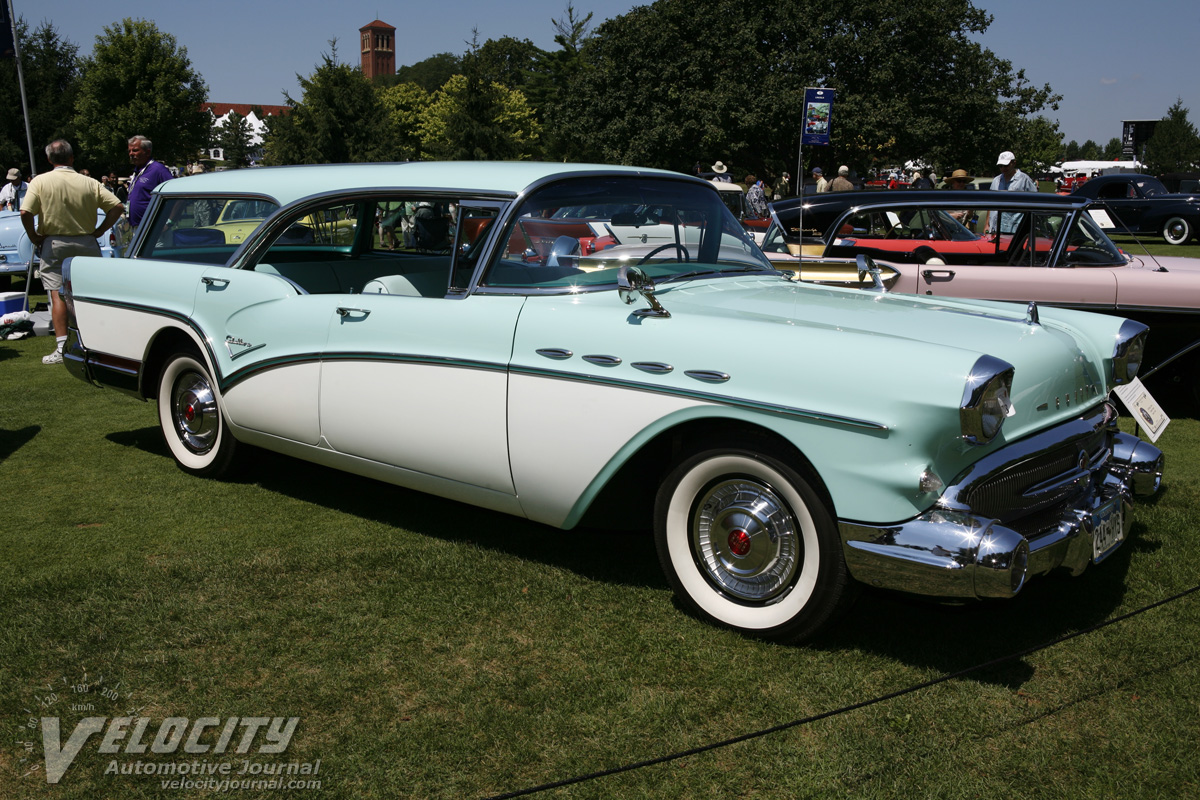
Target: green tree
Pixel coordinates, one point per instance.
(1089, 151)
(1112, 150)
(1038, 145)
(138, 80)
(1175, 145)
(51, 67)
(474, 119)
(430, 74)
(550, 83)
(1071, 151)
(235, 139)
(509, 62)
(405, 104)
(477, 122)
(661, 90)
(338, 119)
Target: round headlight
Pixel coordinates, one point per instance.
(1128, 351)
(987, 399)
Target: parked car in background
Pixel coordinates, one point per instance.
(1141, 204)
(763, 427)
(1181, 182)
(939, 243)
(16, 251)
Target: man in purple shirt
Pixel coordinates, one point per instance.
(147, 173)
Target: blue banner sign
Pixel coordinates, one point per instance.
(818, 114)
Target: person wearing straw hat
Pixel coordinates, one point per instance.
(959, 180)
(720, 173)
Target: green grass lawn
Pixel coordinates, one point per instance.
(434, 650)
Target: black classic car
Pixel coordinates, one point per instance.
(1142, 204)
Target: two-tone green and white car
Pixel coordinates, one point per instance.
(438, 326)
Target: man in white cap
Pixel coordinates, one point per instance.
(1010, 178)
(719, 173)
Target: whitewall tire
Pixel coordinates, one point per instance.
(1177, 230)
(189, 415)
(747, 543)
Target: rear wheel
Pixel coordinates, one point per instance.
(190, 417)
(1177, 230)
(747, 543)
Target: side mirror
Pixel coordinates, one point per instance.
(632, 282)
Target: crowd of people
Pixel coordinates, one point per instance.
(64, 212)
(758, 192)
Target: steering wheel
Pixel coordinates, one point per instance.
(670, 245)
(897, 232)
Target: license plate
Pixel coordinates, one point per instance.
(1108, 529)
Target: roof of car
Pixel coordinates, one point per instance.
(286, 184)
(928, 196)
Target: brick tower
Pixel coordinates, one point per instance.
(378, 49)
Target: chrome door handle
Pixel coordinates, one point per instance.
(930, 274)
(344, 311)
(214, 281)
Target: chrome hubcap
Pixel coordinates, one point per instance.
(745, 539)
(194, 409)
(1175, 230)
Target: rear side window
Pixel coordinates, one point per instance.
(203, 229)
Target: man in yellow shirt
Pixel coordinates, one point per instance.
(65, 205)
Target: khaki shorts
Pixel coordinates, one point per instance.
(56, 250)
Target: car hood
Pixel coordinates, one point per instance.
(910, 349)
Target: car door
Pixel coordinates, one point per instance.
(266, 339)
(421, 383)
(1022, 279)
(1125, 201)
(415, 370)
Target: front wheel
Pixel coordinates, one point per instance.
(747, 543)
(1177, 230)
(190, 418)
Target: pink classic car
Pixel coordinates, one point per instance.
(1016, 246)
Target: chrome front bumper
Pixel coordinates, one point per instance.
(1025, 510)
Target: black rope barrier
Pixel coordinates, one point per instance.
(745, 737)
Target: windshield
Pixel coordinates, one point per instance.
(578, 233)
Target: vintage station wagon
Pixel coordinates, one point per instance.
(582, 344)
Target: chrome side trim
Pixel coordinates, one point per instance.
(554, 352)
(603, 361)
(707, 375)
(653, 367)
(708, 397)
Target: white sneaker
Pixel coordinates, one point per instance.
(53, 358)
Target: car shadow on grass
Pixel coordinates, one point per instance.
(613, 556)
(944, 638)
(952, 638)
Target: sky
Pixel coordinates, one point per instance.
(1111, 60)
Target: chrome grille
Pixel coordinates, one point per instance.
(1014, 495)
